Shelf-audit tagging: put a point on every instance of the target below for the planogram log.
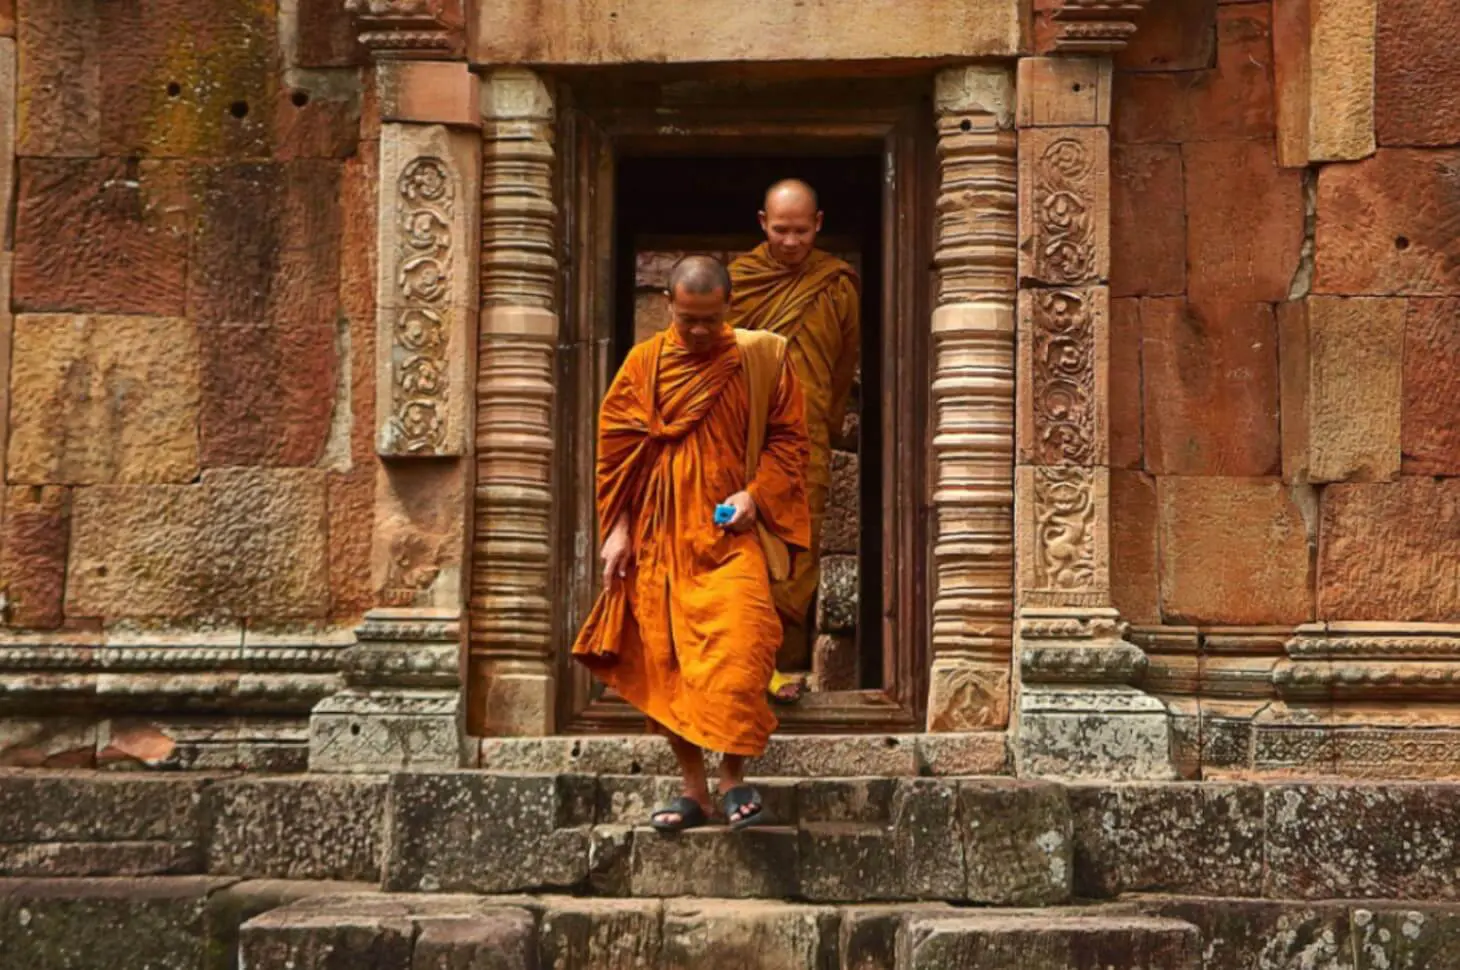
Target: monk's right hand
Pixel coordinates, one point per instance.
(617, 554)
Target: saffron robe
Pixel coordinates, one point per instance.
(817, 307)
(689, 637)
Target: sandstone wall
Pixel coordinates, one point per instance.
(1286, 314)
(191, 363)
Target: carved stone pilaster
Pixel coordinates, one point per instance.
(973, 401)
(1081, 712)
(1095, 26)
(401, 707)
(416, 29)
(511, 670)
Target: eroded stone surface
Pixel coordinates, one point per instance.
(1417, 78)
(753, 863)
(837, 599)
(297, 828)
(1134, 566)
(1233, 550)
(1047, 941)
(1204, 839)
(1016, 842)
(1176, 36)
(34, 536)
(609, 933)
(748, 934)
(59, 84)
(109, 400)
(243, 542)
(1386, 551)
(1429, 426)
(841, 530)
(1147, 221)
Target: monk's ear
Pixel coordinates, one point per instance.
(761, 215)
(818, 220)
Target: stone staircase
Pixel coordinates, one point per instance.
(552, 871)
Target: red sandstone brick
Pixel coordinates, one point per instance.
(58, 94)
(311, 121)
(327, 35)
(1232, 100)
(1233, 551)
(7, 18)
(1176, 35)
(351, 504)
(267, 243)
(1386, 551)
(1386, 225)
(1210, 388)
(37, 528)
(104, 235)
(1244, 222)
(268, 393)
(1417, 73)
(1430, 420)
(185, 78)
(357, 293)
(1125, 383)
(1134, 567)
(1147, 221)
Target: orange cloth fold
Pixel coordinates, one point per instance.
(690, 636)
(817, 307)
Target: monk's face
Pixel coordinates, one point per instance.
(697, 317)
(791, 222)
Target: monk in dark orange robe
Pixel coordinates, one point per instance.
(789, 287)
(686, 628)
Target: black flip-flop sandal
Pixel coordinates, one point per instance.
(742, 796)
(691, 815)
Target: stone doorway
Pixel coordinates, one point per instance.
(643, 182)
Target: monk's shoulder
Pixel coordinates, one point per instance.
(640, 355)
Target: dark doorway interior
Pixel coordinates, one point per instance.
(666, 205)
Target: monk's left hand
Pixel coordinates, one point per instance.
(745, 512)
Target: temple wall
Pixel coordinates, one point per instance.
(190, 467)
(1285, 354)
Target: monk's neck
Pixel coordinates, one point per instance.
(716, 343)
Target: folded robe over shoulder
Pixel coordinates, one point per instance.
(690, 636)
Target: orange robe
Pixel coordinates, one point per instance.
(690, 636)
(817, 308)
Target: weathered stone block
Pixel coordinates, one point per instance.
(270, 393)
(484, 833)
(837, 599)
(59, 89)
(428, 92)
(848, 862)
(350, 500)
(129, 924)
(608, 933)
(317, 114)
(327, 35)
(1203, 839)
(1429, 426)
(1417, 81)
(1232, 100)
(836, 663)
(749, 864)
(1211, 388)
(1134, 566)
(838, 756)
(504, 939)
(841, 530)
(1386, 551)
(1016, 839)
(1324, 70)
(1127, 448)
(1342, 362)
(233, 905)
(190, 80)
(1362, 842)
(46, 742)
(963, 754)
(1176, 36)
(1373, 240)
(845, 800)
(927, 839)
(768, 936)
(1265, 933)
(34, 534)
(100, 858)
(1244, 222)
(103, 400)
(243, 542)
(1077, 732)
(868, 939)
(91, 807)
(1147, 220)
(1038, 941)
(296, 828)
(101, 235)
(1234, 551)
(337, 938)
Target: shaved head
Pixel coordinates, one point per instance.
(791, 191)
(700, 275)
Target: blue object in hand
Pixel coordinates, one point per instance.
(723, 514)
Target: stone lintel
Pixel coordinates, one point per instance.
(1064, 91)
(428, 92)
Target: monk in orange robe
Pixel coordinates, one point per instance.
(789, 287)
(686, 629)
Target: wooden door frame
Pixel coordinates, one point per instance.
(589, 140)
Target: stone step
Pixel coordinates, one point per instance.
(1046, 941)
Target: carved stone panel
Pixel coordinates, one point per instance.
(1064, 551)
(411, 28)
(1064, 368)
(425, 289)
(1064, 225)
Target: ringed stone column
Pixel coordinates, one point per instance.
(511, 682)
(1080, 712)
(973, 401)
(401, 705)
